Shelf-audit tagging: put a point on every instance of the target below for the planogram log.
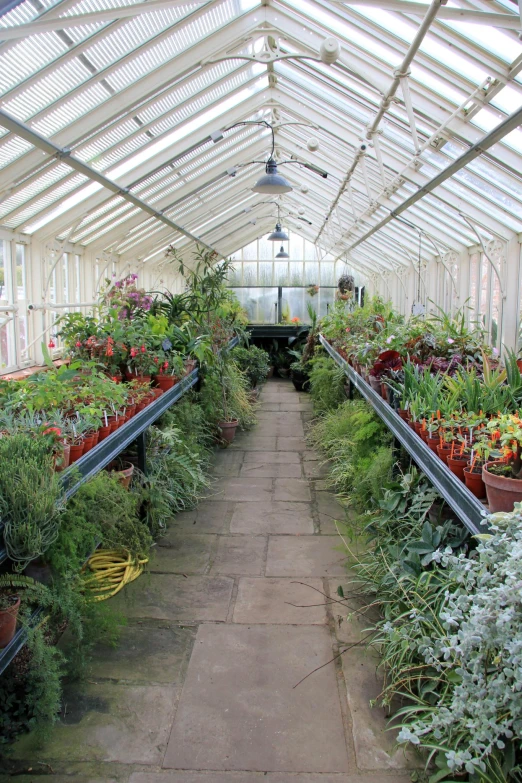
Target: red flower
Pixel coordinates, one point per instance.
(78, 344)
(51, 343)
(133, 352)
(143, 349)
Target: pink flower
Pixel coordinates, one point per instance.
(495, 351)
(78, 344)
(450, 341)
(390, 338)
(51, 343)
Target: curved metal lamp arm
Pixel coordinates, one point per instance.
(497, 271)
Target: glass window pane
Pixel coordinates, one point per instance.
(20, 272)
(249, 273)
(296, 273)
(296, 246)
(265, 273)
(281, 272)
(250, 251)
(3, 270)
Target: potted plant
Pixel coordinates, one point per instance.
(312, 290)
(346, 287)
(503, 477)
(9, 607)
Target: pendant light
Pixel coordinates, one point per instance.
(282, 253)
(278, 235)
(272, 182)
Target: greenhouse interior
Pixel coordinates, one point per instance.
(261, 391)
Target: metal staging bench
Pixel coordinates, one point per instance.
(98, 458)
(467, 507)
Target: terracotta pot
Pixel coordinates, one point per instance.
(125, 475)
(503, 492)
(417, 425)
(142, 379)
(519, 364)
(95, 438)
(475, 484)
(117, 377)
(433, 443)
(76, 451)
(8, 623)
(165, 382)
(384, 391)
(104, 432)
(412, 424)
(404, 414)
(88, 443)
(140, 406)
(61, 461)
(444, 452)
(113, 423)
(156, 393)
(457, 465)
(228, 430)
(131, 411)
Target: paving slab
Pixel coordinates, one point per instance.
(176, 598)
(284, 429)
(240, 711)
(269, 405)
(297, 490)
(254, 442)
(238, 489)
(182, 553)
(274, 517)
(211, 516)
(39, 778)
(150, 652)
(121, 723)
(304, 556)
(280, 601)
(330, 511)
(314, 469)
(271, 458)
(240, 555)
(227, 463)
(374, 744)
(291, 444)
(262, 470)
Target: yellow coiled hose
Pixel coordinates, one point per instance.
(111, 570)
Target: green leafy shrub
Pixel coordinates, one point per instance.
(327, 382)
(254, 362)
(358, 445)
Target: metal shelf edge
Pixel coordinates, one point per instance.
(467, 507)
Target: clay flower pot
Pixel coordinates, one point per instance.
(457, 465)
(503, 492)
(61, 461)
(76, 451)
(475, 484)
(88, 443)
(228, 430)
(8, 622)
(404, 414)
(125, 475)
(104, 432)
(165, 382)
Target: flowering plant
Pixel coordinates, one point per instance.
(126, 298)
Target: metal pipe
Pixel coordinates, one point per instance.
(510, 123)
(388, 96)
(54, 306)
(40, 142)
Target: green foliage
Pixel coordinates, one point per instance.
(254, 362)
(357, 442)
(30, 497)
(327, 382)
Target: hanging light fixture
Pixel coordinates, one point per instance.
(272, 182)
(282, 253)
(278, 235)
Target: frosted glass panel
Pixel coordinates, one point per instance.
(250, 273)
(265, 273)
(281, 272)
(296, 273)
(250, 251)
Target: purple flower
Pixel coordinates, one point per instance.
(390, 338)
(117, 284)
(450, 341)
(495, 351)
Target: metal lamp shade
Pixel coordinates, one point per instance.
(278, 235)
(272, 182)
(282, 253)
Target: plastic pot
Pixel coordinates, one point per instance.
(433, 443)
(300, 380)
(404, 414)
(61, 461)
(503, 492)
(8, 623)
(76, 451)
(228, 430)
(444, 452)
(156, 393)
(475, 484)
(457, 465)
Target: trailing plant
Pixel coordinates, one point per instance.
(327, 382)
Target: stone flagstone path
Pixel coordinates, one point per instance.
(201, 687)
